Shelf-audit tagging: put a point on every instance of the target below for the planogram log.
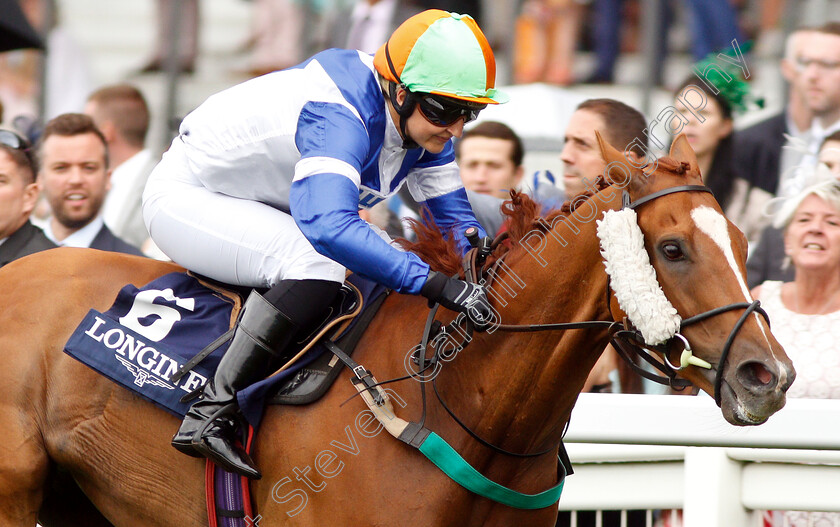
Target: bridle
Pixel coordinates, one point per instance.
(749, 307)
(623, 336)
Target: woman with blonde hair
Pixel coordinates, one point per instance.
(806, 311)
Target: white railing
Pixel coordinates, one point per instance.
(674, 452)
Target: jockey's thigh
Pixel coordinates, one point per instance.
(229, 239)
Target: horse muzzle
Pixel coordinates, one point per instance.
(753, 390)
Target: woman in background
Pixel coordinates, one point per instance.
(710, 132)
(806, 311)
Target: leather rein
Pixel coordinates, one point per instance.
(625, 338)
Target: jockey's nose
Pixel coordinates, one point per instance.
(456, 128)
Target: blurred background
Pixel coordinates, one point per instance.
(547, 53)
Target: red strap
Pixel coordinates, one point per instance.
(210, 493)
(246, 488)
(210, 487)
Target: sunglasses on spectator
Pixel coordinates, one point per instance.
(441, 112)
(16, 142)
(13, 140)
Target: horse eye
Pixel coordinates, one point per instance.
(672, 251)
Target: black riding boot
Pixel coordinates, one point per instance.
(261, 333)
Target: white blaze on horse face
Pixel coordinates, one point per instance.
(714, 225)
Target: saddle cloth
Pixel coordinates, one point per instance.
(149, 333)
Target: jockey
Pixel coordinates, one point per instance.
(263, 185)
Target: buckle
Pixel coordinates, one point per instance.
(364, 376)
(360, 371)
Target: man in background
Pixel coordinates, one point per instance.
(818, 65)
(759, 149)
(122, 115)
(619, 125)
(18, 195)
(489, 156)
(74, 174)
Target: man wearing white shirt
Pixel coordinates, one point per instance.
(122, 115)
(770, 152)
(818, 64)
(73, 172)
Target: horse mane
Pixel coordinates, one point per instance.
(433, 246)
(669, 164)
(438, 249)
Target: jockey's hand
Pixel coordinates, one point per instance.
(460, 296)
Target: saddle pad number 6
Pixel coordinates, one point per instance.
(144, 306)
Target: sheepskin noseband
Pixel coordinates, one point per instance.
(633, 279)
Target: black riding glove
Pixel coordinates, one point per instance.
(460, 296)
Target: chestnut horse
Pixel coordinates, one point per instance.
(325, 464)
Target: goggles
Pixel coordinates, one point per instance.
(444, 112)
(16, 142)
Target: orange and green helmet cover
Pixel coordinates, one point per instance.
(441, 53)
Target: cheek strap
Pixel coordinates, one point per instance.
(633, 278)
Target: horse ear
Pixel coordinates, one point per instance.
(681, 151)
(608, 151)
(619, 167)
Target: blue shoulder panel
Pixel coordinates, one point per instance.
(331, 130)
(358, 85)
(325, 208)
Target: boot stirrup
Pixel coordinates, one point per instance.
(228, 409)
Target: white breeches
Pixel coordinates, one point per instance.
(229, 239)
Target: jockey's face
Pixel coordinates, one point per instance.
(18, 194)
(75, 179)
(429, 136)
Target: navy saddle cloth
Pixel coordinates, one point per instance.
(142, 341)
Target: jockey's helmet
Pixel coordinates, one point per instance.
(445, 64)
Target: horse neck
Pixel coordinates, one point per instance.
(522, 386)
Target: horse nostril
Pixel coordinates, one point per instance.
(754, 374)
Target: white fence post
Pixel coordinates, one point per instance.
(712, 489)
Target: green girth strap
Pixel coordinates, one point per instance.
(441, 453)
(453, 465)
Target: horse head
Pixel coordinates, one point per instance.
(699, 261)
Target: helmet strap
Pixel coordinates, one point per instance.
(405, 109)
